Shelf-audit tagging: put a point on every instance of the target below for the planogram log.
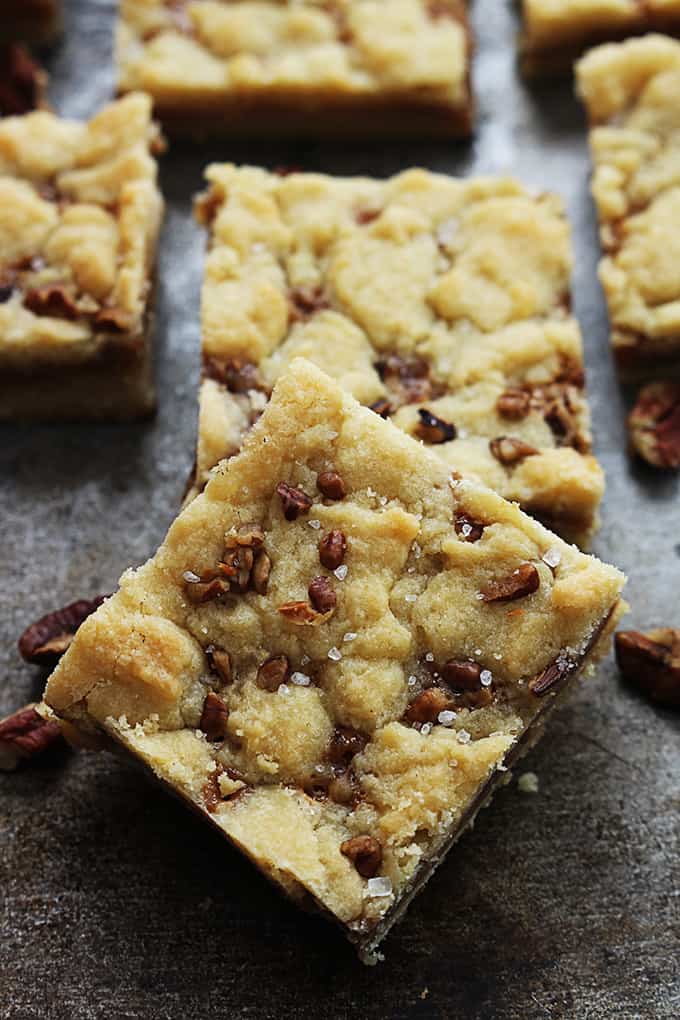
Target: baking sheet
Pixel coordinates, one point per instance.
(116, 902)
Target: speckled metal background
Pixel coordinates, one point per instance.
(116, 902)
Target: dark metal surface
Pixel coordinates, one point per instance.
(115, 902)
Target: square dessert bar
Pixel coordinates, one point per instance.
(442, 303)
(34, 21)
(348, 68)
(338, 651)
(556, 32)
(80, 213)
(632, 94)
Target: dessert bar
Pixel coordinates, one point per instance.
(631, 91)
(338, 651)
(346, 68)
(80, 213)
(556, 32)
(439, 302)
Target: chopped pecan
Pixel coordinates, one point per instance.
(365, 853)
(408, 378)
(205, 587)
(514, 404)
(8, 279)
(522, 581)
(332, 549)
(427, 705)
(53, 299)
(654, 424)
(294, 501)
(212, 789)
(46, 640)
(300, 613)
(438, 9)
(432, 429)
(345, 743)
(558, 403)
(214, 717)
(236, 564)
(468, 529)
(331, 485)
(462, 675)
(509, 450)
(238, 375)
(21, 82)
(364, 216)
(382, 407)
(249, 536)
(306, 302)
(114, 320)
(259, 577)
(321, 595)
(651, 661)
(553, 674)
(220, 663)
(273, 672)
(24, 735)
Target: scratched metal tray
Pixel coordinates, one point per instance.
(115, 902)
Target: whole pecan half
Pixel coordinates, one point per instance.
(651, 661)
(432, 429)
(46, 640)
(25, 735)
(321, 595)
(293, 501)
(654, 424)
(214, 717)
(509, 450)
(522, 581)
(331, 485)
(365, 853)
(332, 549)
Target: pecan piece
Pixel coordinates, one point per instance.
(408, 378)
(345, 743)
(220, 663)
(236, 564)
(553, 674)
(365, 853)
(509, 450)
(364, 216)
(468, 529)
(427, 705)
(237, 375)
(249, 536)
(53, 300)
(514, 404)
(321, 595)
(432, 429)
(214, 717)
(293, 501)
(262, 568)
(382, 407)
(462, 675)
(24, 735)
(46, 640)
(300, 613)
(306, 302)
(205, 587)
(213, 794)
(651, 661)
(522, 581)
(114, 320)
(331, 485)
(654, 424)
(273, 672)
(332, 549)
(21, 82)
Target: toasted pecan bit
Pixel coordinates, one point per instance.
(651, 661)
(250, 536)
(468, 529)
(332, 548)
(556, 671)
(317, 782)
(365, 853)
(432, 429)
(382, 407)
(220, 663)
(306, 302)
(205, 588)
(262, 568)
(24, 735)
(300, 613)
(364, 216)
(427, 705)
(114, 320)
(212, 795)
(514, 404)
(331, 485)
(53, 300)
(408, 379)
(510, 451)
(322, 595)
(46, 640)
(654, 424)
(273, 672)
(293, 501)
(522, 581)
(237, 375)
(214, 717)
(345, 743)
(462, 675)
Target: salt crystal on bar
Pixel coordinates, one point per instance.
(190, 577)
(349, 636)
(381, 886)
(426, 728)
(335, 654)
(446, 717)
(284, 689)
(300, 679)
(429, 657)
(341, 572)
(552, 558)
(463, 737)
(486, 678)
(412, 681)
(314, 524)
(411, 598)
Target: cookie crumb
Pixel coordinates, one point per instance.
(528, 782)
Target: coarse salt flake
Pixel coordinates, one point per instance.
(350, 636)
(552, 558)
(190, 577)
(300, 679)
(314, 524)
(429, 657)
(486, 678)
(426, 728)
(412, 680)
(284, 689)
(341, 572)
(381, 886)
(411, 598)
(446, 717)
(463, 737)
(335, 654)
